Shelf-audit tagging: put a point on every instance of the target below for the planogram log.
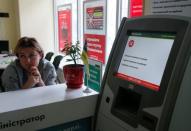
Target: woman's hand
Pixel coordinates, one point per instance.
(34, 71)
(34, 78)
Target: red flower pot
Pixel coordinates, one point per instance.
(73, 75)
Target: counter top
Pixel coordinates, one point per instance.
(15, 100)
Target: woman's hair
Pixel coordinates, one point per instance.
(28, 42)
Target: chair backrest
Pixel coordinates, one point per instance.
(49, 56)
(57, 60)
(2, 89)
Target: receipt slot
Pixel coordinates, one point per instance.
(147, 85)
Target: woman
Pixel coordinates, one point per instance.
(30, 69)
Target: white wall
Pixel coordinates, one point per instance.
(36, 20)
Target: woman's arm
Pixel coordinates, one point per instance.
(49, 74)
(10, 79)
(34, 78)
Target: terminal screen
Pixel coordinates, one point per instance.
(145, 57)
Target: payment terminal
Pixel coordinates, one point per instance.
(147, 82)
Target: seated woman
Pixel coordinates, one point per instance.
(30, 69)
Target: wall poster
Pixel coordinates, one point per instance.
(172, 7)
(94, 82)
(95, 29)
(64, 25)
(136, 8)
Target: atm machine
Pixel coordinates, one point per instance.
(147, 82)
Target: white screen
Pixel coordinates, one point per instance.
(145, 57)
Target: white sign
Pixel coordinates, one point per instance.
(95, 17)
(171, 7)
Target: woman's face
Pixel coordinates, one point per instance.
(29, 57)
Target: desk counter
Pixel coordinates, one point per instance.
(5, 60)
(45, 107)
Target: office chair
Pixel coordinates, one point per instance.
(49, 56)
(2, 89)
(56, 61)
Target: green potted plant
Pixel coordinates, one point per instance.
(73, 73)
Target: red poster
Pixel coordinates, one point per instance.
(136, 8)
(64, 27)
(96, 47)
